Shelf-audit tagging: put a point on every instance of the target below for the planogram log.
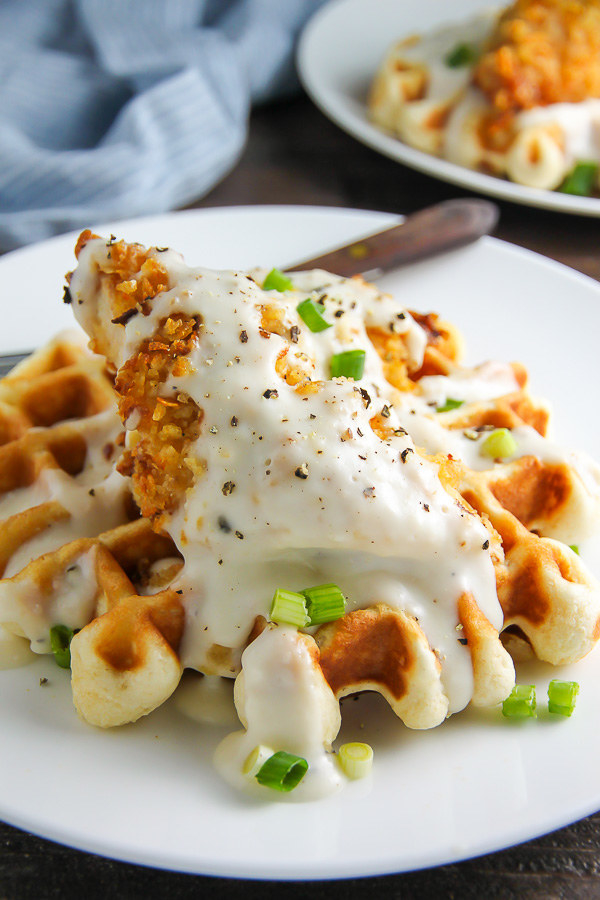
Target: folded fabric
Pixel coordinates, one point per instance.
(118, 108)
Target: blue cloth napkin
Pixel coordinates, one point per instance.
(118, 108)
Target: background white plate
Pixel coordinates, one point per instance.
(147, 793)
(339, 53)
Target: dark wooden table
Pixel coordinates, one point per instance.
(294, 155)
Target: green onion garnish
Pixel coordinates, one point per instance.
(521, 704)
(256, 760)
(581, 180)
(356, 759)
(282, 771)
(325, 603)
(574, 548)
(277, 281)
(461, 55)
(350, 364)
(312, 314)
(60, 643)
(499, 444)
(289, 608)
(561, 697)
(450, 404)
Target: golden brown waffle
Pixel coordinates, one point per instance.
(385, 650)
(59, 382)
(55, 408)
(60, 443)
(540, 508)
(545, 590)
(125, 662)
(548, 496)
(542, 585)
(551, 603)
(71, 542)
(414, 666)
(126, 658)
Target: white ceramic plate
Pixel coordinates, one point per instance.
(339, 53)
(147, 793)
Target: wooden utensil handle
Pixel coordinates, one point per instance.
(430, 231)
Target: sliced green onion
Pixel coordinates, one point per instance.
(450, 404)
(325, 603)
(289, 608)
(311, 314)
(350, 364)
(461, 55)
(521, 704)
(562, 696)
(574, 548)
(282, 771)
(256, 760)
(581, 180)
(356, 759)
(499, 444)
(277, 281)
(60, 643)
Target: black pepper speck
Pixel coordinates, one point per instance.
(124, 318)
(366, 396)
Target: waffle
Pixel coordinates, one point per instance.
(253, 469)
(60, 434)
(71, 536)
(548, 597)
(542, 505)
(528, 506)
(551, 603)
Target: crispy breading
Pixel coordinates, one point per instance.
(542, 52)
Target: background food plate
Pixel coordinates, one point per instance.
(339, 53)
(147, 793)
